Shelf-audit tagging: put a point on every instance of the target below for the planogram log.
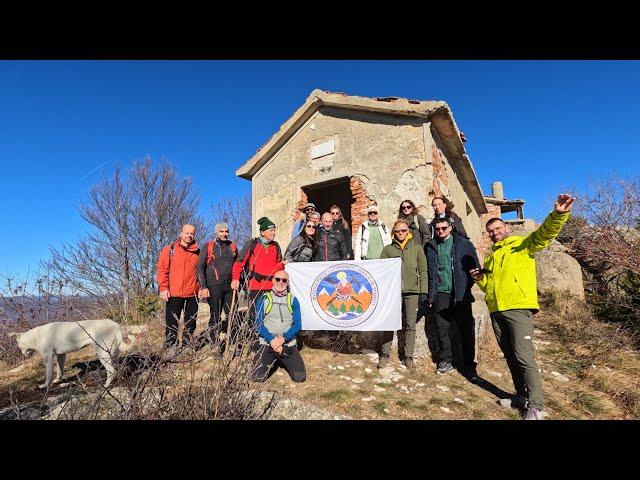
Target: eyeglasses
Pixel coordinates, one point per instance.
(403, 230)
(437, 229)
(280, 279)
(407, 207)
(310, 226)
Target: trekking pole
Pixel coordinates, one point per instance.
(227, 337)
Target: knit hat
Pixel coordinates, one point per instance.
(309, 205)
(265, 224)
(222, 226)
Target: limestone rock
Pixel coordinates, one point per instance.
(560, 272)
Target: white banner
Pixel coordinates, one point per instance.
(363, 295)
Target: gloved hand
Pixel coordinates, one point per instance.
(422, 298)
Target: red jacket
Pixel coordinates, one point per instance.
(177, 273)
(264, 261)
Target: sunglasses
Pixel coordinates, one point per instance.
(373, 213)
(407, 207)
(404, 230)
(309, 209)
(310, 226)
(280, 279)
(223, 231)
(335, 213)
(441, 228)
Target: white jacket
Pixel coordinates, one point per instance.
(362, 239)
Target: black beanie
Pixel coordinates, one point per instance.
(265, 224)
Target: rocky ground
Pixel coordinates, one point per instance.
(593, 380)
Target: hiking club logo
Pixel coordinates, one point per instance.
(344, 295)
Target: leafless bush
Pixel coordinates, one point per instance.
(604, 236)
(237, 213)
(590, 342)
(195, 383)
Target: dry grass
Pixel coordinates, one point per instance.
(569, 341)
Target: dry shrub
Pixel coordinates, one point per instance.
(196, 383)
(589, 341)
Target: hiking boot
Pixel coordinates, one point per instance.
(444, 368)
(408, 362)
(533, 414)
(383, 361)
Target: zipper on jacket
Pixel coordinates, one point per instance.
(326, 247)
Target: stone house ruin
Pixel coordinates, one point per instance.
(359, 151)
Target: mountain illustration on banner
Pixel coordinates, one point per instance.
(345, 294)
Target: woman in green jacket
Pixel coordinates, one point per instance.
(414, 289)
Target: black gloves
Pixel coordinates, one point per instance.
(423, 298)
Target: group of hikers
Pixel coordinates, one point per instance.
(439, 267)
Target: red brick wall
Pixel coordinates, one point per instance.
(295, 214)
(439, 171)
(485, 241)
(359, 204)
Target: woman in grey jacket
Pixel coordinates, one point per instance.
(302, 247)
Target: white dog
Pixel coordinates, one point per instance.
(60, 338)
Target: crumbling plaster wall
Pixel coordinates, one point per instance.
(447, 184)
(386, 152)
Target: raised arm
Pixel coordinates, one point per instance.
(550, 228)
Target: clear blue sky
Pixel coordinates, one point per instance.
(535, 125)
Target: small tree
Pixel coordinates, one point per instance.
(604, 236)
(132, 215)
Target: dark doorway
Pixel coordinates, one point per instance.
(332, 192)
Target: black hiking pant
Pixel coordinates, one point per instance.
(175, 306)
(446, 312)
(267, 362)
(219, 301)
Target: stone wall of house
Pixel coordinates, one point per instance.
(445, 184)
(383, 155)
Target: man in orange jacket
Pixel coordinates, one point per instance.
(178, 284)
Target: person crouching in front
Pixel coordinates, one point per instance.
(278, 321)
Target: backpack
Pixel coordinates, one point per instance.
(211, 256)
(268, 302)
(247, 274)
(384, 228)
(171, 247)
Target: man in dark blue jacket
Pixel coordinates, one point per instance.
(450, 257)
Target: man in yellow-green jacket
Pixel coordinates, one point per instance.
(508, 279)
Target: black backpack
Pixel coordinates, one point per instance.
(248, 274)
